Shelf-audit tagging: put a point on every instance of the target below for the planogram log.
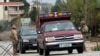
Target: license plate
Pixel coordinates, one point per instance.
(65, 45)
(34, 44)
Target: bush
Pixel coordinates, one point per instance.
(96, 48)
(4, 25)
(0, 39)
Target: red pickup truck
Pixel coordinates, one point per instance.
(56, 32)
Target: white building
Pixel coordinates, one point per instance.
(10, 10)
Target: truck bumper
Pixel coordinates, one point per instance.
(29, 46)
(64, 45)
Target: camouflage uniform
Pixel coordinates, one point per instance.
(14, 40)
(84, 30)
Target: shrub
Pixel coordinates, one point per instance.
(0, 39)
(4, 25)
(96, 48)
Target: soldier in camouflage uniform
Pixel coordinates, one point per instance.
(84, 30)
(14, 39)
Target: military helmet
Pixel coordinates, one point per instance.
(13, 26)
(83, 22)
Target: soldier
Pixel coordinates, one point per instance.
(84, 29)
(14, 39)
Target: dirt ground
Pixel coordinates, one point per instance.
(5, 35)
(90, 45)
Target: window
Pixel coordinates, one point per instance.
(5, 0)
(6, 8)
(16, 8)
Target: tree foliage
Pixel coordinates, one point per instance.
(33, 14)
(4, 25)
(56, 7)
(77, 8)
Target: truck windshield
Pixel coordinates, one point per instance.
(59, 26)
(28, 32)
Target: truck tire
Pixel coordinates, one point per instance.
(40, 51)
(46, 52)
(37, 48)
(80, 50)
(22, 50)
(70, 51)
(17, 51)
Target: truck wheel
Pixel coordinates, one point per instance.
(46, 52)
(22, 50)
(37, 49)
(70, 51)
(17, 51)
(40, 51)
(80, 50)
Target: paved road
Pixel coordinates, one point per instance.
(4, 44)
(63, 53)
(5, 48)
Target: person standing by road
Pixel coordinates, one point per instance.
(84, 30)
(14, 39)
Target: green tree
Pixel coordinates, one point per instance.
(26, 8)
(56, 7)
(33, 14)
(76, 7)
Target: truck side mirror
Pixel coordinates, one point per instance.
(39, 32)
(79, 28)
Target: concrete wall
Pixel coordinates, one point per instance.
(1, 12)
(7, 0)
(1, 0)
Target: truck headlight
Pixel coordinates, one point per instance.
(50, 39)
(25, 40)
(79, 36)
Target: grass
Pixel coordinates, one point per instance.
(0, 39)
(96, 48)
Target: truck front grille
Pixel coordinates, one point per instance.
(65, 38)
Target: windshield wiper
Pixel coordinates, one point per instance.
(49, 31)
(65, 29)
(70, 29)
(62, 30)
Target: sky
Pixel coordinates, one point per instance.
(47, 1)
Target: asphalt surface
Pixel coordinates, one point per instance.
(64, 53)
(5, 44)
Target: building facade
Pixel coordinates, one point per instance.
(10, 10)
